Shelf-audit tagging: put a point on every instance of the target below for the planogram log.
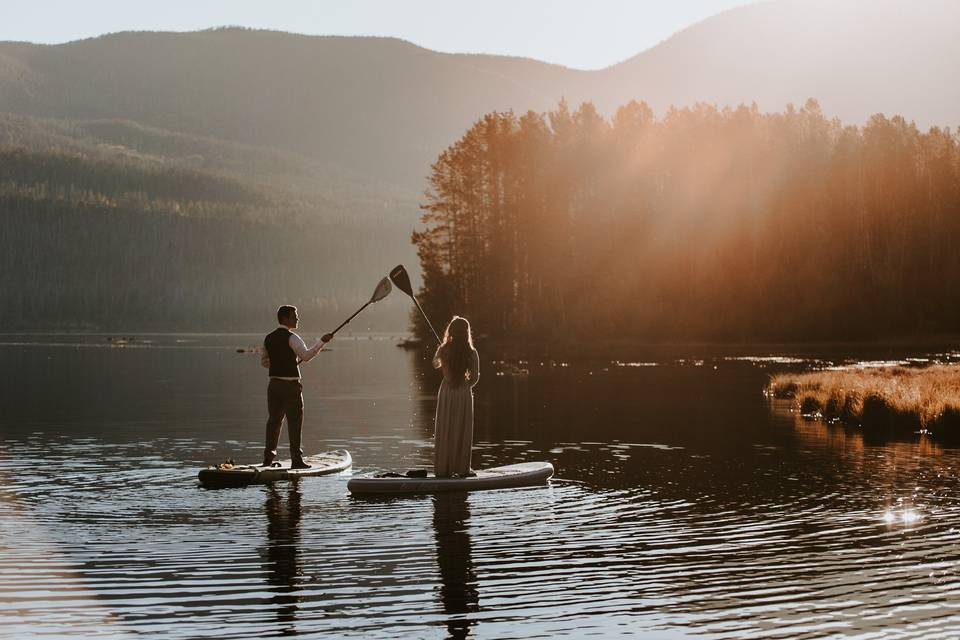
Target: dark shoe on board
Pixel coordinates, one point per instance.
(300, 464)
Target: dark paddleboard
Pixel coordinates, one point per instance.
(321, 464)
(514, 475)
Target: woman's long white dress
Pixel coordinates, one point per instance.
(453, 426)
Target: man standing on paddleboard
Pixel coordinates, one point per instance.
(283, 351)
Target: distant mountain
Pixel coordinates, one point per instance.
(379, 107)
(856, 57)
(383, 108)
(275, 166)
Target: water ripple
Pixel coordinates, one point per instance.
(803, 531)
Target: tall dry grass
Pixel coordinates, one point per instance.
(922, 397)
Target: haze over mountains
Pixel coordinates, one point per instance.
(385, 108)
(346, 128)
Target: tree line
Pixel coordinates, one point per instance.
(88, 242)
(704, 224)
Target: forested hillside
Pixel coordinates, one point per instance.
(384, 108)
(704, 224)
(378, 107)
(109, 239)
(194, 180)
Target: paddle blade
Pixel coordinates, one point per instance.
(382, 291)
(399, 277)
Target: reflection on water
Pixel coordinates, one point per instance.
(458, 582)
(282, 557)
(686, 504)
(899, 473)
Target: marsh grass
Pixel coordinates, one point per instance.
(887, 396)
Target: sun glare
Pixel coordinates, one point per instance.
(907, 516)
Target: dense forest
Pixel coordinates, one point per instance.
(705, 224)
(112, 238)
(193, 180)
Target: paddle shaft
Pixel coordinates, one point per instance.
(439, 341)
(347, 321)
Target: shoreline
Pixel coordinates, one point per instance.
(932, 340)
(627, 349)
(899, 398)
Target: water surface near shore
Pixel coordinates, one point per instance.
(686, 503)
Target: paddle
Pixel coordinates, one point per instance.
(381, 292)
(399, 277)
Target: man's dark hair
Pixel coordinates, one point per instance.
(285, 311)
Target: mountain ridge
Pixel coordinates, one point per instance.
(386, 107)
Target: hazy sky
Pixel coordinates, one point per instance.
(586, 34)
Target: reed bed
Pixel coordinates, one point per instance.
(886, 396)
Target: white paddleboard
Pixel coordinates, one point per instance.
(514, 475)
(321, 464)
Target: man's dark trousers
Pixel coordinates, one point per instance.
(284, 398)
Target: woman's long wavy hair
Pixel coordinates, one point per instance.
(456, 348)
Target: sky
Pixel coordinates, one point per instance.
(583, 34)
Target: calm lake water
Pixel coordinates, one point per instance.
(685, 503)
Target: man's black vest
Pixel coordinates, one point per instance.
(283, 361)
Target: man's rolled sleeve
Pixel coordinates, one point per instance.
(300, 348)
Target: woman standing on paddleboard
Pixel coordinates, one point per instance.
(453, 429)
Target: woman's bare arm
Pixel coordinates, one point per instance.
(474, 368)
